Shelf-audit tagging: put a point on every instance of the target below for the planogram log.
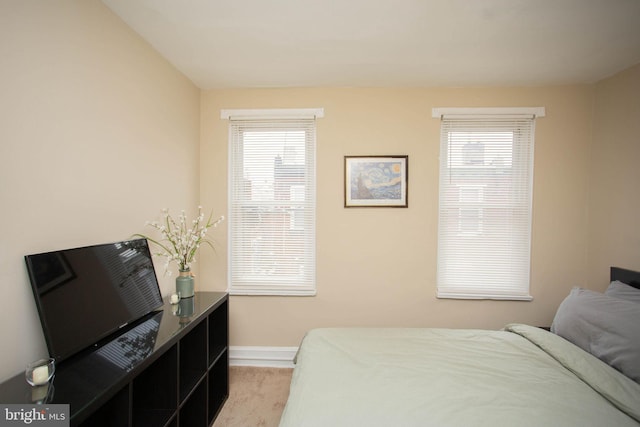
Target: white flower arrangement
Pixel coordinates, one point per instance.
(180, 242)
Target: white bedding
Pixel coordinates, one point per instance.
(522, 376)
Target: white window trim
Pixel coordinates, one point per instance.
(275, 114)
(489, 113)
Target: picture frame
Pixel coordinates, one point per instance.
(376, 181)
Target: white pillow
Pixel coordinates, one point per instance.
(605, 326)
(621, 290)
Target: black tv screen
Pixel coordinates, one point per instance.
(85, 294)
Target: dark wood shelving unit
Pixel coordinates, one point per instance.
(178, 376)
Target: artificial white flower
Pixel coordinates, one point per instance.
(179, 243)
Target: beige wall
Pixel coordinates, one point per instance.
(377, 267)
(97, 134)
(614, 173)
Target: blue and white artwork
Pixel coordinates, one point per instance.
(376, 181)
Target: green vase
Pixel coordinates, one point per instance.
(184, 284)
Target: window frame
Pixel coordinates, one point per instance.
(454, 284)
(243, 283)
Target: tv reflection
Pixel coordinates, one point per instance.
(132, 347)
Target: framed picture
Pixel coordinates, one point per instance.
(376, 181)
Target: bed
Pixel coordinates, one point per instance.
(585, 372)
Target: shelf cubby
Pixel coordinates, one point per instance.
(114, 413)
(150, 406)
(218, 331)
(194, 411)
(218, 382)
(193, 358)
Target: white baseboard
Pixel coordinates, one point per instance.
(271, 357)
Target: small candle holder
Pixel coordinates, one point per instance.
(40, 372)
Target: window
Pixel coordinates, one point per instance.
(486, 181)
(272, 193)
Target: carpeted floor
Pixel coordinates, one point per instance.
(256, 397)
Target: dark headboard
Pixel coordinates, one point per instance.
(629, 277)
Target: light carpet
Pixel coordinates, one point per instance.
(256, 397)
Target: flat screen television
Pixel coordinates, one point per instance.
(85, 294)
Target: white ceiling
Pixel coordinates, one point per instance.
(286, 43)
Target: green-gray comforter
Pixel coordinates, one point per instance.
(521, 376)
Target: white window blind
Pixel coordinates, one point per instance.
(486, 180)
(272, 203)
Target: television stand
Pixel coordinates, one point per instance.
(171, 369)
